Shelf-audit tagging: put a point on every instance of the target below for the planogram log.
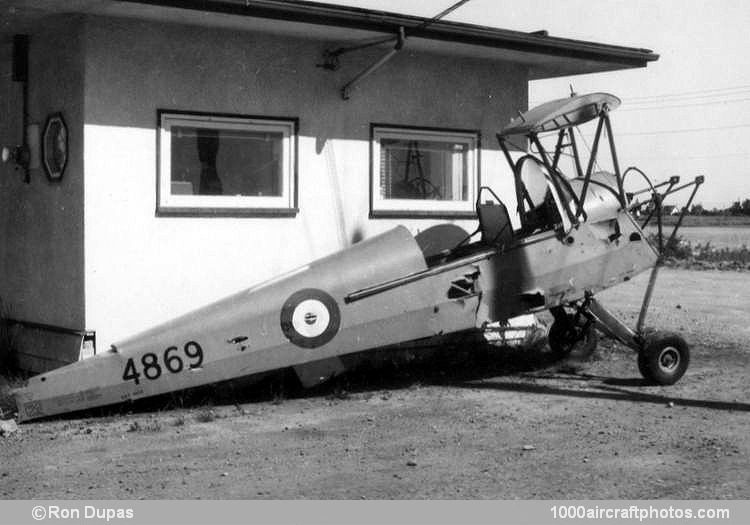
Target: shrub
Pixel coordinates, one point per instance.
(681, 249)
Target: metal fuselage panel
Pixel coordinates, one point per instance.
(543, 271)
(259, 330)
(244, 334)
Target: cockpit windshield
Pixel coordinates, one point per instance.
(540, 209)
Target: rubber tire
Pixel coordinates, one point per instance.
(657, 347)
(561, 346)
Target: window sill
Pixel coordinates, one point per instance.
(227, 212)
(414, 214)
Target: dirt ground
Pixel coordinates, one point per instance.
(501, 424)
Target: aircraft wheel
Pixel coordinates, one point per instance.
(564, 338)
(664, 358)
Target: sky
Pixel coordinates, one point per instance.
(687, 114)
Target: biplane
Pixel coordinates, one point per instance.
(577, 236)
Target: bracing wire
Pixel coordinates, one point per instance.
(588, 148)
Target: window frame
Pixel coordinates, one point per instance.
(168, 205)
(424, 208)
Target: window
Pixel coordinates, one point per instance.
(216, 164)
(424, 172)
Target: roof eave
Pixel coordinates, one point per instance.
(379, 21)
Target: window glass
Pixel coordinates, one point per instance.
(234, 163)
(414, 169)
(220, 162)
(426, 172)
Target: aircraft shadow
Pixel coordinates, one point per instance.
(603, 391)
(394, 369)
(491, 369)
(479, 367)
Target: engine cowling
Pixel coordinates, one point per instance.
(602, 203)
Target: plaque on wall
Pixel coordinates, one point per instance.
(55, 147)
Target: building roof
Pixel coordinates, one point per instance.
(545, 56)
(589, 56)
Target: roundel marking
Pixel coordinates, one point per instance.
(310, 318)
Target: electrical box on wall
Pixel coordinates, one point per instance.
(20, 58)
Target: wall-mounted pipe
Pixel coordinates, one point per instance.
(21, 155)
(347, 89)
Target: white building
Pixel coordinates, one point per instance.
(207, 150)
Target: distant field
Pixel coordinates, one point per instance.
(719, 236)
(709, 220)
(721, 231)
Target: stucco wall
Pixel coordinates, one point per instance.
(41, 223)
(142, 269)
(10, 134)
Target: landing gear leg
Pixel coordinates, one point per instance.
(572, 331)
(663, 357)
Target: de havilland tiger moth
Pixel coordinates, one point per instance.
(578, 235)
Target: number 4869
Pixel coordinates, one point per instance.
(171, 359)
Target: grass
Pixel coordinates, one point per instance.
(206, 415)
(706, 252)
(150, 426)
(706, 220)
(338, 392)
(683, 250)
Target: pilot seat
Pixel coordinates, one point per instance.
(494, 221)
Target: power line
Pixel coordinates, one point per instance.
(688, 98)
(698, 93)
(441, 14)
(647, 108)
(672, 131)
(628, 106)
(686, 95)
(688, 157)
(683, 130)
